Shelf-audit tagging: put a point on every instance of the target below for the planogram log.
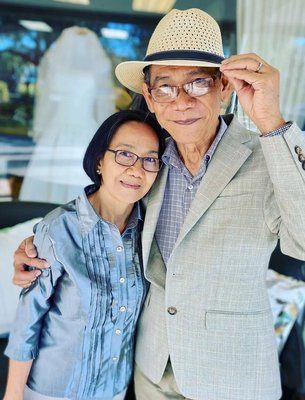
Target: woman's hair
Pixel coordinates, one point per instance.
(103, 136)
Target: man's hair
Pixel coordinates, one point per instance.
(146, 72)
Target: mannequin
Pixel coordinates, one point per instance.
(74, 95)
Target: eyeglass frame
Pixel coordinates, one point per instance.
(142, 159)
(172, 99)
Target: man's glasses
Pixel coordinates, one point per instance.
(128, 159)
(196, 88)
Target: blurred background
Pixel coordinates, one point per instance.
(34, 146)
(29, 29)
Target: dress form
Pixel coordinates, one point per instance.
(74, 95)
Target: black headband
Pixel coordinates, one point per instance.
(195, 55)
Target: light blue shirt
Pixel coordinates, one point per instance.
(78, 321)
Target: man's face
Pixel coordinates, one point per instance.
(189, 120)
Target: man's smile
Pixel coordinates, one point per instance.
(188, 121)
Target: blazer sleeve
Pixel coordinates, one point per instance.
(34, 302)
(285, 198)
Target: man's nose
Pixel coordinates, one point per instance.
(183, 100)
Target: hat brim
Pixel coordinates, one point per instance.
(130, 73)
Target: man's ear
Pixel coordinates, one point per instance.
(226, 90)
(147, 97)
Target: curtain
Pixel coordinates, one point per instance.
(275, 30)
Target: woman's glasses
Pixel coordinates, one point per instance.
(128, 159)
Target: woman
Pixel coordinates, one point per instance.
(74, 329)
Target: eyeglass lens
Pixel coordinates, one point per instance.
(127, 158)
(196, 88)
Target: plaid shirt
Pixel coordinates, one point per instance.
(179, 193)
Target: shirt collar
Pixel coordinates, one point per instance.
(136, 216)
(88, 216)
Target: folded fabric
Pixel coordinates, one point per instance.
(287, 299)
(10, 238)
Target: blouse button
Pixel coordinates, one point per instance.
(118, 331)
(122, 280)
(45, 271)
(122, 308)
(114, 359)
(119, 248)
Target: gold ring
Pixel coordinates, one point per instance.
(259, 67)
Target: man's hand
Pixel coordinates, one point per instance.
(257, 87)
(26, 255)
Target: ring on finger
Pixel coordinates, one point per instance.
(259, 67)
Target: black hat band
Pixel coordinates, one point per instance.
(185, 55)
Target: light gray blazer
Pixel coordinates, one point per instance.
(221, 340)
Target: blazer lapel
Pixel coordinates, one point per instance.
(229, 156)
(153, 207)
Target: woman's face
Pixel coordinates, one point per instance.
(129, 184)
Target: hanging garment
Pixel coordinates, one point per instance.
(74, 95)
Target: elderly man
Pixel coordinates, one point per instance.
(213, 218)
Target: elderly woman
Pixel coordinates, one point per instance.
(73, 336)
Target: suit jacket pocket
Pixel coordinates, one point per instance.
(233, 202)
(238, 321)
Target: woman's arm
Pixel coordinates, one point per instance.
(34, 304)
(17, 377)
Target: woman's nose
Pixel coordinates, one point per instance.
(136, 169)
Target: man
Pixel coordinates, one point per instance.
(213, 218)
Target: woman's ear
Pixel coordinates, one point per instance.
(98, 168)
(147, 97)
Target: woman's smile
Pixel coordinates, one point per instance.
(130, 185)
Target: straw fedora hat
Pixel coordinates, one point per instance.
(183, 38)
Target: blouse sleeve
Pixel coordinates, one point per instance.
(34, 302)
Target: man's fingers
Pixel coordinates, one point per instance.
(21, 260)
(26, 255)
(25, 278)
(29, 247)
(26, 285)
(249, 61)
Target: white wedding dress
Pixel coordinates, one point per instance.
(75, 95)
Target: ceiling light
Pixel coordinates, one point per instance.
(157, 6)
(111, 33)
(35, 25)
(81, 2)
